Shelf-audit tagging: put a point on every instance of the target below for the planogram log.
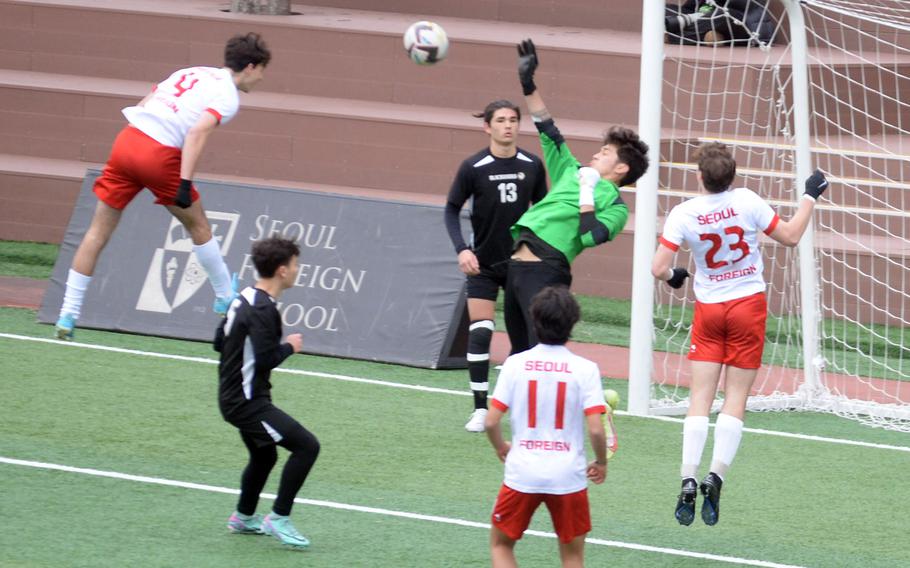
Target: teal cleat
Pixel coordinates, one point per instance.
(245, 524)
(282, 529)
(223, 304)
(65, 326)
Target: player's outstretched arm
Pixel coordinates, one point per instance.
(527, 65)
(788, 233)
(556, 155)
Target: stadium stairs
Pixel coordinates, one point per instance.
(341, 106)
(341, 109)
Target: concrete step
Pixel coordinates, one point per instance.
(872, 185)
(37, 197)
(384, 146)
(37, 194)
(624, 16)
(381, 146)
(327, 52)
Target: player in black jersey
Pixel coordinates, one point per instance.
(502, 181)
(249, 340)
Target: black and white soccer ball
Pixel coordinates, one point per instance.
(426, 43)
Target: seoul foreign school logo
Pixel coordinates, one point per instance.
(175, 273)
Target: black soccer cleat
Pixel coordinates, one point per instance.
(685, 505)
(710, 507)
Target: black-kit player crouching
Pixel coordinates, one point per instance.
(249, 340)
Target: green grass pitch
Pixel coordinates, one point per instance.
(788, 501)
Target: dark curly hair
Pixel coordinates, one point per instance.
(269, 254)
(631, 150)
(245, 49)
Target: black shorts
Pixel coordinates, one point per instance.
(486, 285)
(271, 425)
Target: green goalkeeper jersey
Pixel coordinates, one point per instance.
(555, 219)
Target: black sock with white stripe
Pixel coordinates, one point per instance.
(480, 334)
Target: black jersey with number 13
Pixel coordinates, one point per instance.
(502, 190)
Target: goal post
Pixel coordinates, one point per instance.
(829, 90)
(649, 104)
(807, 265)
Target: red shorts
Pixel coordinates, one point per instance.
(570, 513)
(732, 333)
(139, 161)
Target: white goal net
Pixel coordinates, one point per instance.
(858, 76)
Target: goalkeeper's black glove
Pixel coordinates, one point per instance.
(527, 64)
(678, 279)
(184, 198)
(816, 184)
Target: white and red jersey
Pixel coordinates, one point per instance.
(722, 230)
(547, 391)
(178, 102)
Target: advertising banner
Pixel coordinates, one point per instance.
(378, 279)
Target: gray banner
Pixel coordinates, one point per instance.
(378, 279)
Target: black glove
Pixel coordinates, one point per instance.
(678, 278)
(816, 184)
(527, 64)
(184, 199)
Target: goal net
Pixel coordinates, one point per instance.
(853, 289)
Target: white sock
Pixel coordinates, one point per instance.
(76, 285)
(210, 258)
(695, 435)
(728, 431)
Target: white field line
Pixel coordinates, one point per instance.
(386, 512)
(215, 362)
(422, 388)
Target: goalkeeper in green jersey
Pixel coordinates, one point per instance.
(583, 208)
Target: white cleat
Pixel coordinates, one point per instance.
(475, 424)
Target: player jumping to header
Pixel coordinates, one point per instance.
(722, 229)
(159, 149)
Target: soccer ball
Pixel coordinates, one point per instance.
(426, 43)
(612, 398)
